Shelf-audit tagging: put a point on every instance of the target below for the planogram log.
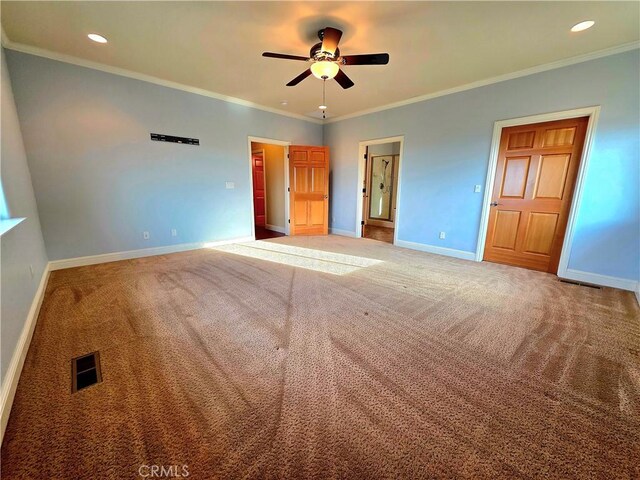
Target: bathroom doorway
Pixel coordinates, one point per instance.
(379, 191)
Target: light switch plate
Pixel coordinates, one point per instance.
(478, 189)
(229, 185)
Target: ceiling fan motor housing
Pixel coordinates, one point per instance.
(317, 54)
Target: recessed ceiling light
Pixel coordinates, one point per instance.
(284, 103)
(578, 27)
(97, 38)
(322, 107)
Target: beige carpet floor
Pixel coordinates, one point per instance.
(328, 357)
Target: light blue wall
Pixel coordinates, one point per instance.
(99, 180)
(446, 153)
(22, 246)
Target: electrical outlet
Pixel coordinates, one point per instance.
(229, 185)
(174, 232)
(145, 235)
(442, 235)
(478, 189)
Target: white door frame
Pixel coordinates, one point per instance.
(592, 113)
(284, 144)
(362, 149)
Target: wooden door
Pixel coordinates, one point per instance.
(259, 207)
(534, 183)
(309, 190)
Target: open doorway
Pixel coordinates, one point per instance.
(268, 172)
(379, 191)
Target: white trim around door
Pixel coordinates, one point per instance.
(284, 144)
(592, 113)
(362, 150)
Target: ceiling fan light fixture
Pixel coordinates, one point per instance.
(324, 69)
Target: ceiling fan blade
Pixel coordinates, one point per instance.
(284, 56)
(299, 78)
(330, 39)
(367, 59)
(344, 81)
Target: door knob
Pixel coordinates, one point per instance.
(494, 204)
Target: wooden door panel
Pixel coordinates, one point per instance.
(309, 196)
(519, 140)
(317, 156)
(540, 231)
(552, 176)
(301, 213)
(258, 205)
(300, 179)
(557, 137)
(318, 175)
(532, 193)
(316, 212)
(258, 178)
(506, 229)
(298, 155)
(514, 181)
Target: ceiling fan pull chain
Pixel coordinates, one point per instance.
(324, 97)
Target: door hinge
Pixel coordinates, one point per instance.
(362, 222)
(365, 156)
(364, 190)
(289, 221)
(288, 189)
(287, 155)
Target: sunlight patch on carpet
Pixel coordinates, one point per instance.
(308, 258)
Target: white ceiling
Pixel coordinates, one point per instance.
(217, 46)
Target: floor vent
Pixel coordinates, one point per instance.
(85, 371)
(580, 284)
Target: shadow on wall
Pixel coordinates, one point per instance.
(330, 196)
(598, 239)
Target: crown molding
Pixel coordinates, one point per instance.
(489, 81)
(61, 57)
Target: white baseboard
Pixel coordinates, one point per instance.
(449, 252)
(602, 280)
(638, 293)
(275, 228)
(144, 252)
(12, 375)
(344, 233)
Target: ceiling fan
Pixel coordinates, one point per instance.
(326, 59)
